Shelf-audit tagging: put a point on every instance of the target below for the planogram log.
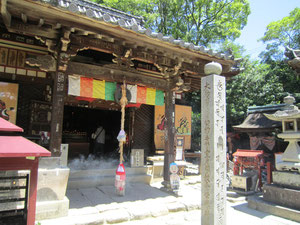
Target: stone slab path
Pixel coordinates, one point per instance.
(144, 204)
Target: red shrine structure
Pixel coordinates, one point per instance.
(18, 153)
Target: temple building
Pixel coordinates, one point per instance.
(61, 67)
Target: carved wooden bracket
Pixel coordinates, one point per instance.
(168, 72)
(44, 62)
(124, 61)
(5, 14)
(179, 85)
(65, 40)
(64, 58)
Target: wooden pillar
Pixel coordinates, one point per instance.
(58, 94)
(57, 111)
(169, 135)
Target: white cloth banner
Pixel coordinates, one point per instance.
(133, 92)
(74, 85)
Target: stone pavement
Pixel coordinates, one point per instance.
(144, 204)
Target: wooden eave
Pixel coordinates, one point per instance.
(53, 15)
(47, 23)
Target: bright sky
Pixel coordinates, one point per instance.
(262, 13)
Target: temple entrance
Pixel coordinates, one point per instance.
(79, 125)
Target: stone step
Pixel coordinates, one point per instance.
(98, 177)
(94, 181)
(258, 203)
(107, 172)
(282, 196)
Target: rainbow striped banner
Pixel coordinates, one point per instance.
(91, 88)
(101, 89)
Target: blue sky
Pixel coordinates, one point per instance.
(262, 13)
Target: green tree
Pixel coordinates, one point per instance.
(198, 21)
(256, 85)
(280, 34)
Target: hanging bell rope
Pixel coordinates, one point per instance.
(123, 103)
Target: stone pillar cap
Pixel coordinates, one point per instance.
(213, 68)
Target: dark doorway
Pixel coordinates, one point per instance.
(79, 124)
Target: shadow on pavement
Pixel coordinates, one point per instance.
(243, 207)
(86, 197)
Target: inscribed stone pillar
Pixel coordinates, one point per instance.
(213, 146)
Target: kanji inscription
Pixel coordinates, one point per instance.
(213, 160)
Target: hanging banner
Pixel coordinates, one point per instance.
(91, 88)
(183, 125)
(159, 127)
(101, 89)
(8, 101)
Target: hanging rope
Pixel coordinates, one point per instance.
(123, 103)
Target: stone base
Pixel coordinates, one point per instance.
(51, 189)
(52, 209)
(282, 196)
(286, 165)
(286, 179)
(52, 184)
(257, 203)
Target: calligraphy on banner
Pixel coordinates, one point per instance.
(183, 125)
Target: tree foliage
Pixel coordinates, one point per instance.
(280, 34)
(260, 84)
(269, 81)
(198, 21)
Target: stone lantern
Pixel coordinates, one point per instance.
(290, 118)
(284, 190)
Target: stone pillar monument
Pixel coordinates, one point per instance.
(213, 146)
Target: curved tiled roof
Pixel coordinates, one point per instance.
(125, 20)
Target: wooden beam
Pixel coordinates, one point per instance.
(84, 42)
(33, 30)
(24, 17)
(5, 14)
(56, 26)
(82, 32)
(118, 75)
(25, 79)
(97, 36)
(41, 22)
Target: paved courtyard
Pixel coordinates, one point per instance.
(144, 204)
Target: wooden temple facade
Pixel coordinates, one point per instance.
(44, 42)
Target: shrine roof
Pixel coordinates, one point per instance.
(248, 153)
(9, 127)
(126, 21)
(257, 122)
(265, 108)
(17, 146)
